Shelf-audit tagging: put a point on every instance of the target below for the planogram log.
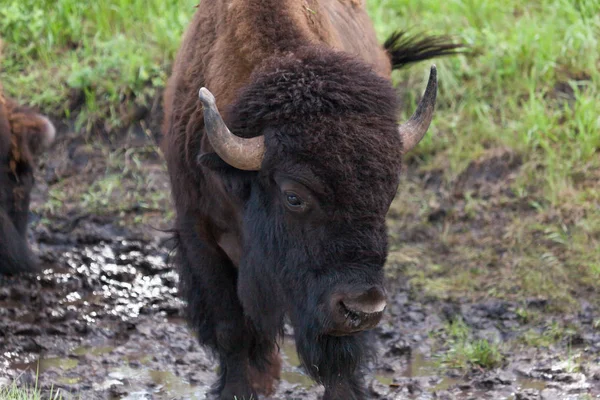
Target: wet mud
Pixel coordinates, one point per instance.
(103, 319)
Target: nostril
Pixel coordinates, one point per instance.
(371, 301)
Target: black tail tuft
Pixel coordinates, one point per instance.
(404, 49)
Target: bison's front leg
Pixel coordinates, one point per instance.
(208, 283)
(15, 255)
(352, 389)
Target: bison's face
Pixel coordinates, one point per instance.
(324, 237)
(24, 134)
(343, 261)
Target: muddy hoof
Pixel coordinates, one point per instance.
(264, 382)
(237, 392)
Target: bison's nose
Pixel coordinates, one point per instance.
(359, 311)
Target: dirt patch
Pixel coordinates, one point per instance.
(488, 175)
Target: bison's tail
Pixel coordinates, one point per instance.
(405, 49)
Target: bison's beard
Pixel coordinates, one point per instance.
(331, 360)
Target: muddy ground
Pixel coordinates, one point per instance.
(103, 320)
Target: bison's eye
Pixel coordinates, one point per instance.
(293, 201)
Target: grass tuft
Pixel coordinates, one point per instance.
(547, 336)
(13, 392)
(464, 353)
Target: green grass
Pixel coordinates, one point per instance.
(548, 336)
(534, 86)
(13, 392)
(108, 55)
(463, 352)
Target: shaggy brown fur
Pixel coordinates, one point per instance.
(24, 134)
(311, 77)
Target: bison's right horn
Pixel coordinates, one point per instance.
(413, 130)
(240, 153)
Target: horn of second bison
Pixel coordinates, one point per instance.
(413, 130)
(240, 153)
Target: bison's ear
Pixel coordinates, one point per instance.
(33, 132)
(213, 162)
(40, 134)
(232, 178)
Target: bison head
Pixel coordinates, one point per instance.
(320, 129)
(24, 134)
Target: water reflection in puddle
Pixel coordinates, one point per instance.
(288, 350)
(65, 380)
(529, 383)
(161, 382)
(44, 364)
(147, 383)
(293, 374)
(386, 380)
(297, 378)
(419, 366)
(95, 351)
(124, 279)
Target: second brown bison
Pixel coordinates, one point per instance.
(24, 134)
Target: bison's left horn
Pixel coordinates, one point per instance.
(413, 130)
(240, 153)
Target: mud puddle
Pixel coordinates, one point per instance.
(103, 321)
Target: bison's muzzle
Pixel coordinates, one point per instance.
(357, 310)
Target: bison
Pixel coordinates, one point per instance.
(282, 179)
(24, 135)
